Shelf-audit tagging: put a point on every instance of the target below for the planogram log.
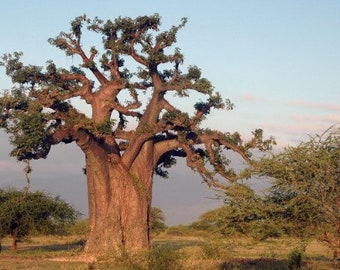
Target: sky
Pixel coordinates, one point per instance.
(278, 62)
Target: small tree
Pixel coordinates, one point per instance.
(306, 187)
(22, 214)
(303, 201)
(157, 220)
(245, 213)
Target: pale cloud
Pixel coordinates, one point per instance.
(314, 105)
(298, 103)
(330, 118)
(295, 128)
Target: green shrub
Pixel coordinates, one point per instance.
(164, 258)
(213, 250)
(81, 227)
(183, 230)
(295, 259)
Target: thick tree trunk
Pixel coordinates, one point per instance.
(119, 205)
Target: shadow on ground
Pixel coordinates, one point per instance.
(76, 245)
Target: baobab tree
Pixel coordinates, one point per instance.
(134, 131)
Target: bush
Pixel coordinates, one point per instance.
(81, 227)
(164, 258)
(213, 250)
(183, 230)
(295, 259)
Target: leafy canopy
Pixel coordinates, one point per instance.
(307, 187)
(157, 220)
(244, 213)
(22, 214)
(130, 78)
(303, 200)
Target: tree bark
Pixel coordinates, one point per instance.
(14, 247)
(119, 203)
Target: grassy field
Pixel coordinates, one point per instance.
(170, 252)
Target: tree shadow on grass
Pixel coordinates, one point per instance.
(278, 264)
(54, 247)
(255, 264)
(178, 243)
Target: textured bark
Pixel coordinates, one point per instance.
(14, 246)
(119, 204)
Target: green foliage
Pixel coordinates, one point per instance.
(306, 186)
(139, 184)
(184, 230)
(80, 227)
(22, 214)
(160, 257)
(25, 121)
(157, 219)
(214, 101)
(177, 117)
(105, 127)
(244, 213)
(164, 258)
(295, 259)
(18, 72)
(303, 200)
(213, 249)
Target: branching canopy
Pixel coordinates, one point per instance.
(22, 214)
(37, 112)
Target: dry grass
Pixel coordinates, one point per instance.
(64, 253)
(244, 253)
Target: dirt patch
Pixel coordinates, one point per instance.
(80, 258)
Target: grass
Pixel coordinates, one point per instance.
(170, 252)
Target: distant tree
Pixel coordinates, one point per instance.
(23, 213)
(131, 77)
(80, 228)
(306, 187)
(157, 219)
(244, 213)
(303, 200)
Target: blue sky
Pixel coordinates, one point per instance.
(278, 61)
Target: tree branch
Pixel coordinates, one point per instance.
(222, 139)
(84, 92)
(72, 46)
(134, 55)
(89, 63)
(164, 146)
